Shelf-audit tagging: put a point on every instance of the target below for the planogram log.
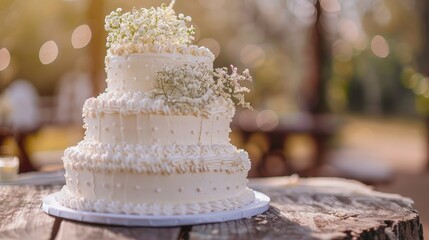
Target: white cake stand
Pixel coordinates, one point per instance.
(52, 207)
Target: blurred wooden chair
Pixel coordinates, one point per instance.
(25, 164)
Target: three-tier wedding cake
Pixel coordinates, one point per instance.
(157, 140)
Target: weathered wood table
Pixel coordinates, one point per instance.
(314, 208)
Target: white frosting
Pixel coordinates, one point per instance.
(142, 155)
(148, 129)
(137, 72)
(155, 159)
(174, 188)
(139, 102)
(183, 49)
(101, 205)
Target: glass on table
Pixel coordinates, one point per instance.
(9, 166)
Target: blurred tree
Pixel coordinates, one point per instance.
(370, 51)
(321, 62)
(97, 50)
(423, 65)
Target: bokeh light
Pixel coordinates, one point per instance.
(4, 59)
(247, 120)
(303, 9)
(414, 80)
(379, 46)
(48, 52)
(81, 36)
(348, 30)
(330, 5)
(361, 43)
(267, 120)
(422, 86)
(252, 55)
(382, 14)
(211, 44)
(342, 50)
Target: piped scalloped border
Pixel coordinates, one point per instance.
(138, 102)
(156, 159)
(100, 205)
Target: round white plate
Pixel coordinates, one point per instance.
(52, 207)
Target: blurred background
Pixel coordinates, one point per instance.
(340, 87)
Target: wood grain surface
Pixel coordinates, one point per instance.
(21, 216)
(76, 230)
(314, 208)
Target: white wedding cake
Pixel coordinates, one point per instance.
(157, 140)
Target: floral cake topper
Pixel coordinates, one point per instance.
(158, 25)
(198, 86)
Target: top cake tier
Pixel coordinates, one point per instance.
(144, 41)
(137, 72)
(150, 55)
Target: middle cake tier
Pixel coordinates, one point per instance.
(134, 119)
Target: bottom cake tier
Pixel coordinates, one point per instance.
(155, 194)
(155, 180)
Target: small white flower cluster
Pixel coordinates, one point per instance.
(158, 25)
(228, 85)
(197, 86)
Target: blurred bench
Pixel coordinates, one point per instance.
(320, 129)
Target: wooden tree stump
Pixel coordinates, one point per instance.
(321, 208)
(20, 213)
(313, 208)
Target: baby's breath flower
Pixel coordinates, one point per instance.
(197, 86)
(158, 25)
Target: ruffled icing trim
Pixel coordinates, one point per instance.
(65, 198)
(155, 159)
(131, 48)
(139, 102)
